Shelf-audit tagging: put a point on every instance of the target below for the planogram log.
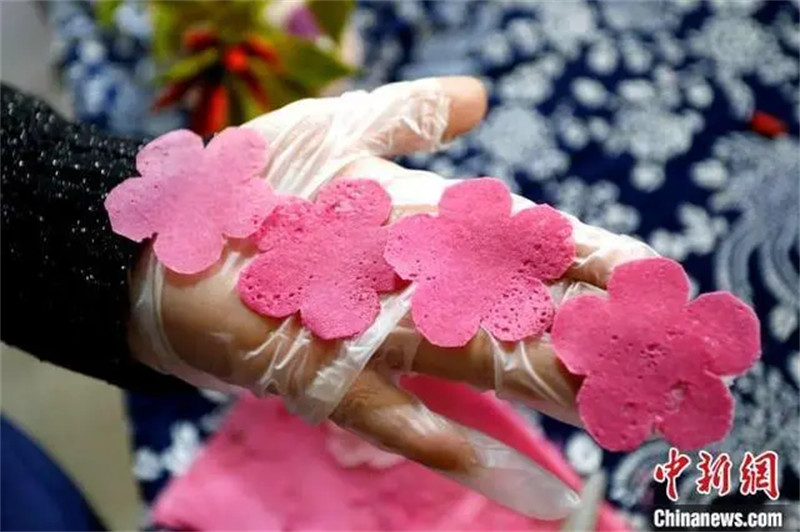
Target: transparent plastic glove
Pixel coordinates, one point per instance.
(526, 371)
(197, 328)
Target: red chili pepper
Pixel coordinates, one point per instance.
(235, 60)
(211, 113)
(767, 125)
(255, 88)
(262, 49)
(198, 39)
(171, 93)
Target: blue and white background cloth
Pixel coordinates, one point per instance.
(632, 115)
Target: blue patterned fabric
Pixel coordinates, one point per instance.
(633, 116)
(107, 70)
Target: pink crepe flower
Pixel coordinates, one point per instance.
(191, 197)
(477, 265)
(653, 359)
(323, 259)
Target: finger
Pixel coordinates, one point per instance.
(394, 420)
(420, 115)
(528, 371)
(599, 251)
(396, 118)
(468, 104)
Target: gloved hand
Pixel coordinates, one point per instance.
(197, 328)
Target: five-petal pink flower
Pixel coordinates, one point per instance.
(475, 264)
(653, 360)
(323, 259)
(191, 197)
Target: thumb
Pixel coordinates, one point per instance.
(311, 140)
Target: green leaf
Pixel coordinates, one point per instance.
(236, 18)
(331, 16)
(245, 105)
(279, 91)
(192, 66)
(166, 37)
(305, 63)
(104, 10)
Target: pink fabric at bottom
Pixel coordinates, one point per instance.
(268, 470)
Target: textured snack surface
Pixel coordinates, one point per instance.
(653, 360)
(323, 259)
(191, 197)
(477, 265)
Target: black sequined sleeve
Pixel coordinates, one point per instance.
(64, 273)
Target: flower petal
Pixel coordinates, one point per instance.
(289, 223)
(524, 309)
(272, 287)
(545, 241)
(238, 154)
(615, 421)
(701, 412)
(173, 154)
(414, 245)
(486, 199)
(134, 207)
(251, 203)
(578, 326)
(728, 328)
(364, 248)
(334, 261)
(446, 314)
(649, 285)
(363, 199)
(190, 244)
(339, 311)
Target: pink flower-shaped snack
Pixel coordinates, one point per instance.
(193, 197)
(653, 359)
(475, 264)
(324, 259)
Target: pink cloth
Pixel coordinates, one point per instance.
(268, 470)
